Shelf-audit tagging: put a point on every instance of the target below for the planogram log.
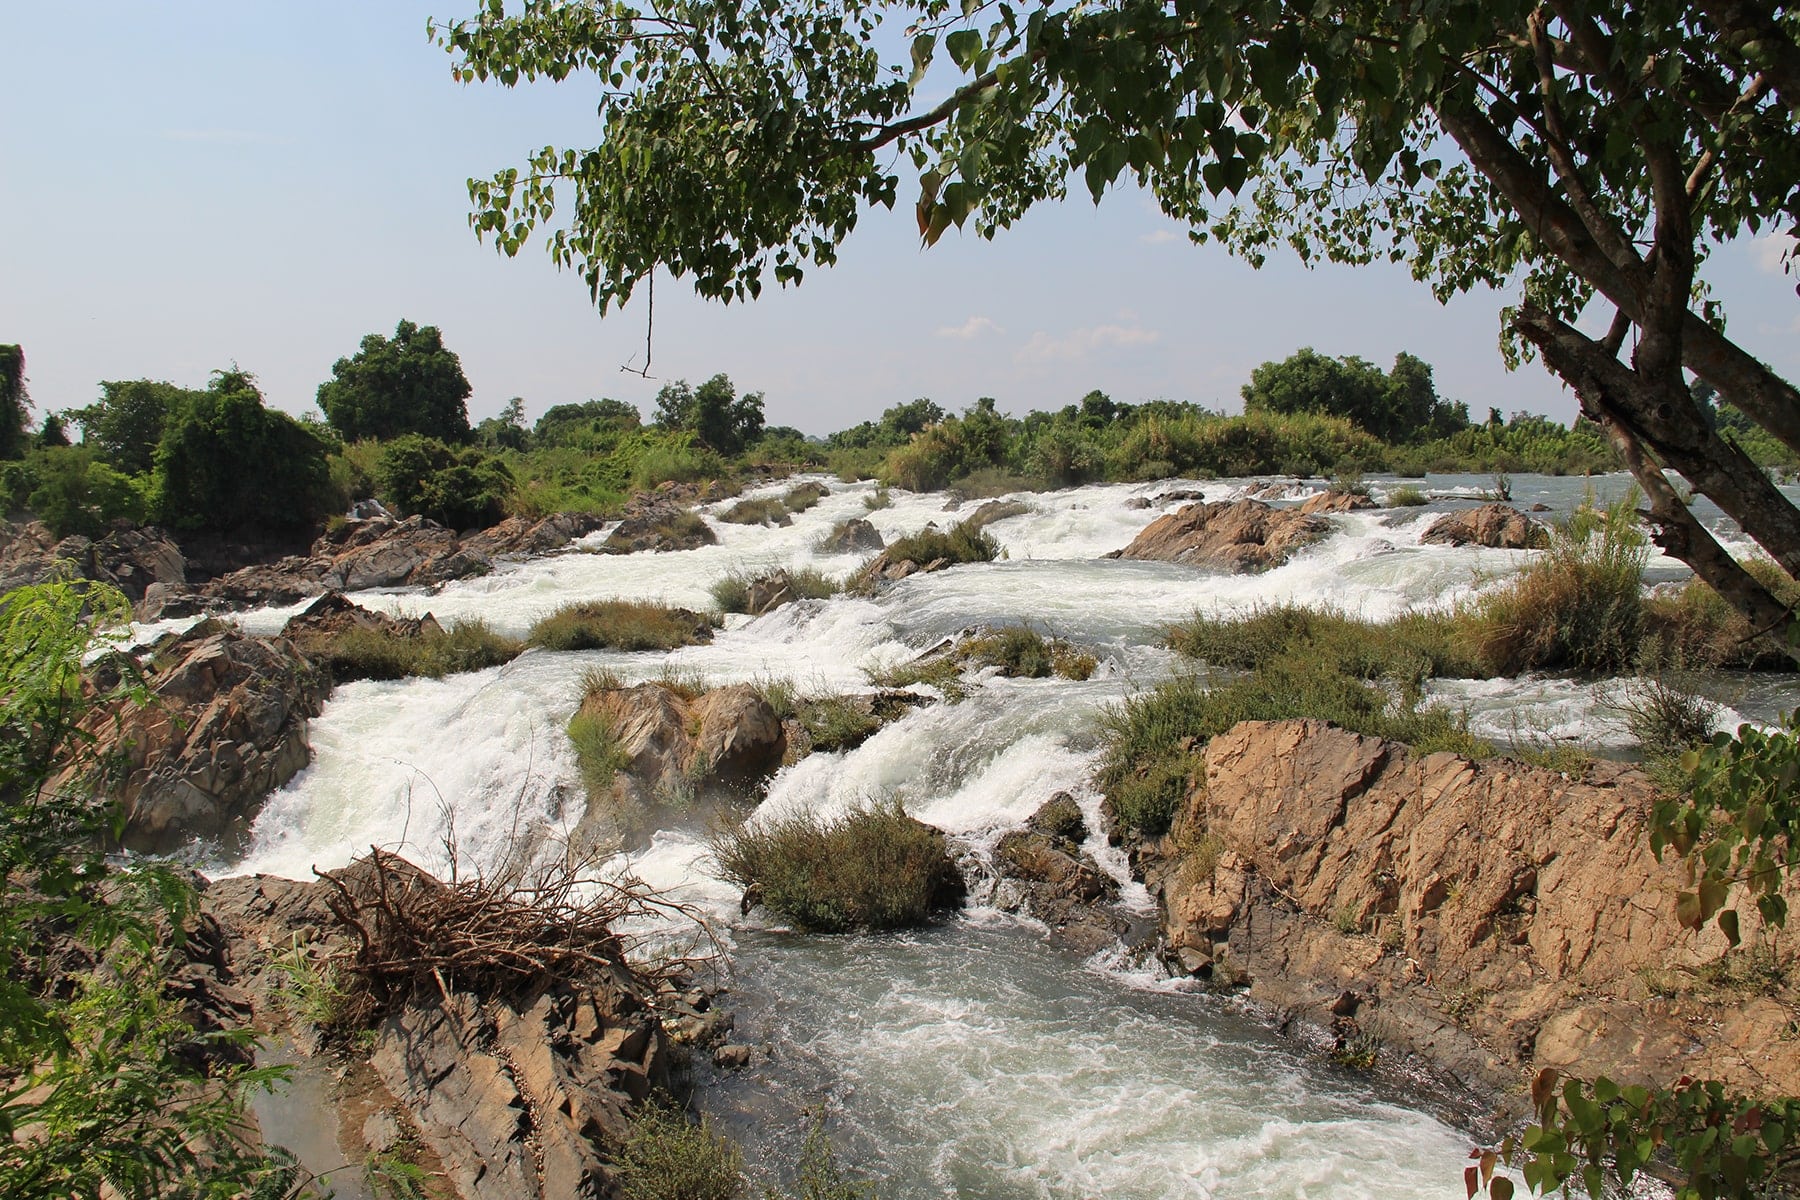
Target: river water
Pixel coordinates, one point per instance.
(971, 1059)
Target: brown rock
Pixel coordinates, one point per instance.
(1245, 535)
(377, 551)
(995, 510)
(518, 537)
(227, 726)
(769, 593)
(855, 536)
(334, 613)
(1335, 502)
(127, 557)
(1491, 916)
(1497, 525)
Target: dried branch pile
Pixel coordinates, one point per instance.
(499, 938)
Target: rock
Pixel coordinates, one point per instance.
(769, 593)
(659, 524)
(373, 552)
(1497, 525)
(732, 1056)
(226, 727)
(334, 614)
(1493, 917)
(164, 601)
(855, 536)
(1244, 535)
(681, 754)
(1540, 508)
(1178, 496)
(995, 510)
(1335, 502)
(381, 1132)
(1138, 502)
(1060, 817)
(128, 557)
(1056, 881)
(802, 495)
(518, 537)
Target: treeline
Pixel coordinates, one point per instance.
(219, 460)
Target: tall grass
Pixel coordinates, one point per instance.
(665, 1156)
(1406, 650)
(366, 653)
(619, 625)
(1579, 605)
(598, 752)
(766, 511)
(961, 543)
(872, 867)
(732, 592)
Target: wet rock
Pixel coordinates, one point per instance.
(855, 536)
(1496, 525)
(1138, 502)
(226, 727)
(334, 614)
(1335, 502)
(1492, 917)
(1241, 536)
(518, 537)
(995, 510)
(127, 557)
(681, 755)
(733, 1056)
(1049, 876)
(768, 593)
(659, 524)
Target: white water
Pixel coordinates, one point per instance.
(969, 1060)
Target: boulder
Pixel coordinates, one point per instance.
(659, 525)
(1491, 916)
(855, 536)
(768, 593)
(373, 552)
(1497, 525)
(128, 557)
(1044, 872)
(335, 614)
(995, 510)
(225, 727)
(1240, 536)
(1335, 502)
(681, 756)
(519, 537)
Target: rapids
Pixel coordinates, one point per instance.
(971, 1059)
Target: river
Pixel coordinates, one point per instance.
(972, 1059)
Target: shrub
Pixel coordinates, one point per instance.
(943, 672)
(803, 496)
(837, 722)
(665, 1156)
(1579, 605)
(1021, 652)
(871, 868)
(72, 492)
(598, 752)
(661, 463)
(619, 625)
(877, 499)
(732, 592)
(1407, 650)
(960, 544)
(767, 511)
(780, 694)
(461, 487)
(1695, 628)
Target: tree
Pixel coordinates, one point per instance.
(1402, 406)
(228, 464)
(563, 424)
(507, 431)
(713, 413)
(461, 487)
(411, 384)
(1580, 154)
(125, 425)
(15, 404)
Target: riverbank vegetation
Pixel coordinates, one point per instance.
(362, 652)
(619, 625)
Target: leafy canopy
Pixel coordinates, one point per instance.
(409, 384)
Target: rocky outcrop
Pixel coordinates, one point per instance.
(679, 753)
(516, 1094)
(1335, 502)
(520, 537)
(335, 614)
(226, 726)
(127, 557)
(1044, 872)
(1492, 917)
(1496, 525)
(662, 521)
(373, 552)
(855, 536)
(995, 510)
(1240, 536)
(766, 593)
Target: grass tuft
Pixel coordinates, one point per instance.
(767, 511)
(665, 1156)
(1406, 496)
(870, 868)
(368, 653)
(959, 544)
(620, 625)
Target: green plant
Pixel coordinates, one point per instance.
(393, 1176)
(962, 543)
(870, 867)
(878, 499)
(666, 1156)
(371, 653)
(410, 384)
(619, 625)
(837, 722)
(1347, 920)
(1357, 1051)
(598, 752)
(780, 694)
(313, 989)
(942, 672)
(1406, 495)
(802, 497)
(767, 511)
(817, 1176)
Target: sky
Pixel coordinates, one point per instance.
(191, 185)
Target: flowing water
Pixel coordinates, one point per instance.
(972, 1059)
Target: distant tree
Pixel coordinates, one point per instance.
(506, 431)
(74, 492)
(15, 404)
(410, 384)
(564, 423)
(226, 463)
(125, 425)
(53, 432)
(1399, 407)
(713, 413)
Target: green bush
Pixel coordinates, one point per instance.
(72, 492)
(871, 868)
(665, 1156)
(1406, 495)
(676, 462)
(619, 625)
(598, 752)
(1695, 628)
(1406, 651)
(461, 487)
(837, 722)
(803, 496)
(877, 499)
(960, 544)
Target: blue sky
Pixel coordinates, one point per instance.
(189, 185)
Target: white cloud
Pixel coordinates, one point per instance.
(1080, 344)
(1161, 237)
(1771, 249)
(970, 329)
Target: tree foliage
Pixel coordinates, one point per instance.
(462, 487)
(15, 403)
(1579, 154)
(125, 425)
(227, 463)
(391, 387)
(104, 1088)
(1399, 407)
(713, 412)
